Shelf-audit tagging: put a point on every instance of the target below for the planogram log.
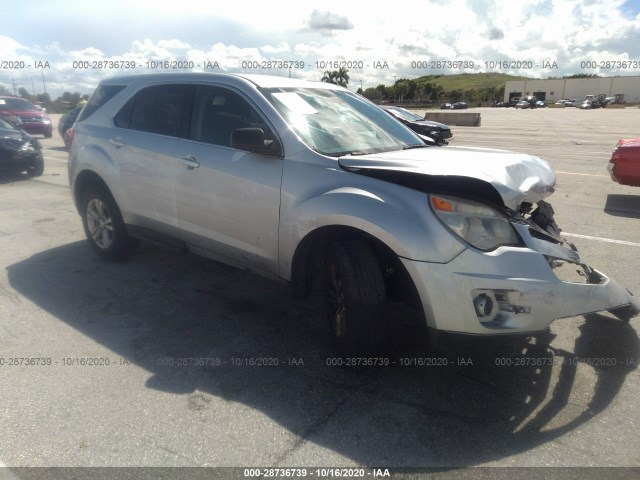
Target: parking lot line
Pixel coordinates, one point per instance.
(585, 174)
(601, 239)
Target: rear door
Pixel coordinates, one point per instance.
(148, 143)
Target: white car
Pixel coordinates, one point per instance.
(311, 184)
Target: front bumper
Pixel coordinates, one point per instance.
(514, 290)
(35, 128)
(19, 163)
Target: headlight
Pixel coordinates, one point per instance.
(480, 225)
(27, 147)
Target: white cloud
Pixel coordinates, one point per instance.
(9, 47)
(567, 31)
(280, 48)
(326, 20)
(87, 53)
(174, 44)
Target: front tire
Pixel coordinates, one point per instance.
(356, 299)
(36, 169)
(103, 225)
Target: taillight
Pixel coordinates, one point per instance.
(68, 138)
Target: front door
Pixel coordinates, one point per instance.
(228, 200)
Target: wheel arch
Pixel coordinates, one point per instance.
(308, 261)
(84, 180)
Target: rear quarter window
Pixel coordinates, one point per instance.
(102, 95)
(161, 109)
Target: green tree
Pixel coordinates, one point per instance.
(342, 76)
(329, 76)
(456, 95)
(43, 97)
(24, 93)
(382, 92)
(337, 77)
(69, 98)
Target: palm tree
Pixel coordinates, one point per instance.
(329, 77)
(342, 76)
(338, 77)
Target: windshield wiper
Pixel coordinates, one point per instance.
(419, 145)
(349, 153)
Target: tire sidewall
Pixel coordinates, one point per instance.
(365, 321)
(121, 245)
(37, 168)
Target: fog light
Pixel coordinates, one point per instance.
(483, 305)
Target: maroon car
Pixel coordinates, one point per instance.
(624, 166)
(26, 115)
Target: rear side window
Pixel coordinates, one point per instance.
(161, 109)
(102, 95)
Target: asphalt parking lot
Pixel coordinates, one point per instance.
(149, 362)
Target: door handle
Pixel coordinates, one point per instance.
(117, 142)
(189, 161)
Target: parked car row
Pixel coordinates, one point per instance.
(591, 101)
(569, 103)
(530, 102)
(511, 103)
(454, 106)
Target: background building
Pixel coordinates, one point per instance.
(570, 88)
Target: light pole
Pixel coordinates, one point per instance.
(395, 81)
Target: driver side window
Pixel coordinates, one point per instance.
(219, 111)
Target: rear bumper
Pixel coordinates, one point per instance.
(624, 171)
(513, 290)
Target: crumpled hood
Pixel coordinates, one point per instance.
(517, 177)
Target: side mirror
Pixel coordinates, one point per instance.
(252, 140)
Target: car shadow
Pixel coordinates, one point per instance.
(57, 149)
(6, 177)
(464, 404)
(623, 205)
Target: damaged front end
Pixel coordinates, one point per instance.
(583, 289)
(513, 283)
(518, 288)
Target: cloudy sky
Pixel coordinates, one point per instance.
(55, 39)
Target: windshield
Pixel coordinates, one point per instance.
(5, 125)
(338, 122)
(15, 104)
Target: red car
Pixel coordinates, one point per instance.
(26, 115)
(624, 166)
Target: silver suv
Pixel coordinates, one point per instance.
(312, 184)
